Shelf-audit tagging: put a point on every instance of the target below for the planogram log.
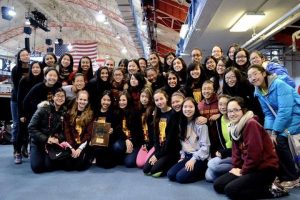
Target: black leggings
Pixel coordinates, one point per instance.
(163, 164)
(254, 185)
(287, 169)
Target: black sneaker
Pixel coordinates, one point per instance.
(278, 191)
(24, 151)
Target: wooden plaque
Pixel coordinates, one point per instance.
(100, 135)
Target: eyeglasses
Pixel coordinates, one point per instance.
(253, 75)
(230, 78)
(235, 110)
(240, 57)
(255, 58)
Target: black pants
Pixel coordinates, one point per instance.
(105, 157)
(40, 160)
(163, 164)
(287, 169)
(254, 185)
(80, 163)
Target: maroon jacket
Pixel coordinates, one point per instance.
(207, 109)
(254, 151)
(71, 133)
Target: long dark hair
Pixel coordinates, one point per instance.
(183, 119)
(89, 74)
(38, 78)
(70, 67)
(48, 54)
(230, 63)
(19, 64)
(108, 93)
(191, 82)
(239, 79)
(182, 72)
(247, 64)
(262, 70)
(141, 82)
(166, 66)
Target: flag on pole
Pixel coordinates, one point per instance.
(84, 49)
(60, 49)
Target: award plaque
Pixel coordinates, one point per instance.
(100, 135)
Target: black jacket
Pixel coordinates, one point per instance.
(46, 122)
(25, 85)
(95, 88)
(171, 146)
(133, 123)
(40, 92)
(16, 75)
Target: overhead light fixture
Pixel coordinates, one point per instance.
(118, 36)
(247, 21)
(27, 22)
(70, 47)
(184, 30)
(101, 17)
(124, 50)
(7, 12)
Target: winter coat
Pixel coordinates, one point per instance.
(281, 71)
(254, 151)
(46, 122)
(286, 103)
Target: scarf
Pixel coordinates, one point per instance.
(235, 129)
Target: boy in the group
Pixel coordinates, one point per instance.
(208, 108)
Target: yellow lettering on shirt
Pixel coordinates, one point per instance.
(125, 129)
(197, 95)
(162, 129)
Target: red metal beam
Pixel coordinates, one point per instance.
(168, 21)
(163, 49)
(172, 9)
(286, 39)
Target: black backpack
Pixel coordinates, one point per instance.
(5, 134)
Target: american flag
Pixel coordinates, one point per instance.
(84, 49)
(61, 49)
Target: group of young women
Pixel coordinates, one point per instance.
(210, 120)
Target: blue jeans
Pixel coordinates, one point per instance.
(180, 174)
(129, 160)
(217, 167)
(15, 119)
